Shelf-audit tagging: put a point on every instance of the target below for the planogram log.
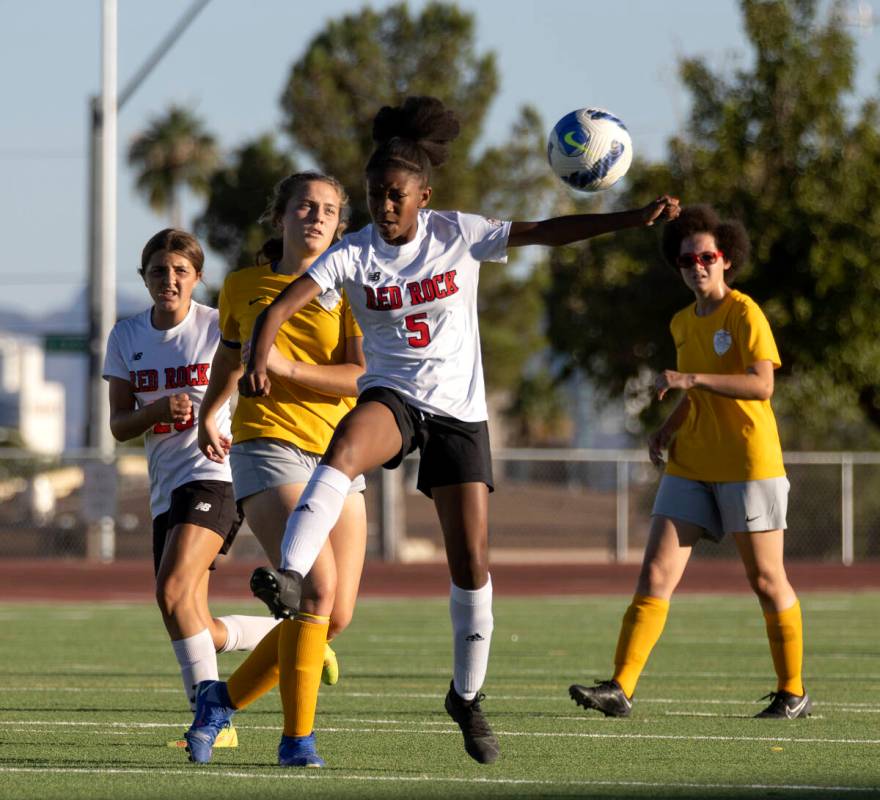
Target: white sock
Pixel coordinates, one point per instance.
(245, 633)
(198, 662)
(472, 623)
(310, 523)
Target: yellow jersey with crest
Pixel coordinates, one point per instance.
(724, 439)
(317, 334)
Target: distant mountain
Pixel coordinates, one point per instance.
(70, 319)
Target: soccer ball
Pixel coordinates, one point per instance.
(590, 149)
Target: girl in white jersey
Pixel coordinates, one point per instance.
(158, 366)
(411, 277)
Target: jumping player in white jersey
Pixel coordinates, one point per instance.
(158, 367)
(411, 277)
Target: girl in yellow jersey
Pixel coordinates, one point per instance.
(725, 473)
(278, 440)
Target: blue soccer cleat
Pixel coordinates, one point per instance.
(299, 751)
(213, 714)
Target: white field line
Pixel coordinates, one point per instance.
(450, 730)
(338, 776)
(716, 716)
(870, 708)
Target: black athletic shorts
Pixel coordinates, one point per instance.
(208, 504)
(452, 451)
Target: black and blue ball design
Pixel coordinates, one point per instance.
(590, 149)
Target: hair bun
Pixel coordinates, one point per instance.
(423, 120)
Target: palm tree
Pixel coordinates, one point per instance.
(175, 151)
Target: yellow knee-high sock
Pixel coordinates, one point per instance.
(301, 657)
(786, 634)
(258, 673)
(641, 628)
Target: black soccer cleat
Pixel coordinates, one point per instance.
(279, 589)
(785, 705)
(605, 696)
(479, 741)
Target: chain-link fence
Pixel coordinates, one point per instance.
(585, 505)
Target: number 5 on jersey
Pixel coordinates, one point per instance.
(416, 323)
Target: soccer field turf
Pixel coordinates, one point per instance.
(91, 694)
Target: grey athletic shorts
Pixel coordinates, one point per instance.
(259, 464)
(721, 508)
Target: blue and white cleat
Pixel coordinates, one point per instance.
(213, 714)
(299, 751)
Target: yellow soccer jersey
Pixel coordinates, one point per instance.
(724, 439)
(316, 335)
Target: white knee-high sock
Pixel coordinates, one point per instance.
(245, 633)
(198, 662)
(311, 521)
(472, 623)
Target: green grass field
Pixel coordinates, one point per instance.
(91, 694)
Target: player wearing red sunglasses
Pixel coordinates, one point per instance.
(724, 473)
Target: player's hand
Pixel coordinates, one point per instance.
(179, 407)
(214, 445)
(277, 363)
(662, 209)
(670, 379)
(254, 383)
(658, 441)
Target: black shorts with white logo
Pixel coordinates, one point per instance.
(452, 451)
(208, 504)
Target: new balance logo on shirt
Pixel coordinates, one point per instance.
(474, 637)
(304, 507)
(202, 506)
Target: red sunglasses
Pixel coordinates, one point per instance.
(705, 259)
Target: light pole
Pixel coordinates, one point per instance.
(100, 478)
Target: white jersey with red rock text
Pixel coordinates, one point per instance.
(417, 307)
(162, 363)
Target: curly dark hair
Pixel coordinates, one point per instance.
(730, 236)
(414, 136)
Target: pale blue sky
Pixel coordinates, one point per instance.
(230, 67)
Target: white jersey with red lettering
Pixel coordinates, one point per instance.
(161, 363)
(417, 307)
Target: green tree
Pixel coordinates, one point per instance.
(778, 146)
(238, 193)
(175, 151)
(369, 59)
(375, 58)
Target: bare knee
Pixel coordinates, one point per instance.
(471, 572)
(656, 579)
(342, 455)
(318, 597)
(340, 619)
(769, 586)
(170, 594)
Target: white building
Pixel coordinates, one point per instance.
(28, 403)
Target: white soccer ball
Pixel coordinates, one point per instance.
(590, 149)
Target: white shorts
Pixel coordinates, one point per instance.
(721, 508)
(264, 463)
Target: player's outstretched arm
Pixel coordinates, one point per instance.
(577, 227)
(255, 380)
